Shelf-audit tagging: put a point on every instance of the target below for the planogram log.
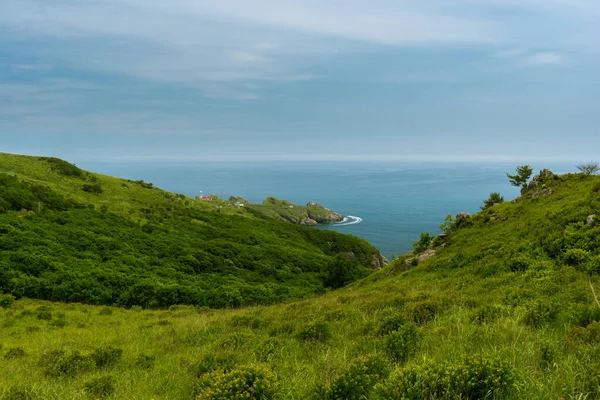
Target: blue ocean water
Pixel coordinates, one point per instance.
(395, 201)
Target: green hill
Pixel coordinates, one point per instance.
(70, 235)
(502, 307)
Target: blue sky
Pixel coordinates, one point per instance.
(473, 80)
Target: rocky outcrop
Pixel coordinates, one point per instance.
(379, 261)
(412, 262)
(590, 220)
(321, 214)
(463, 216)
(540, 181)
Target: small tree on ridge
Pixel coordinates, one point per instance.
(493, 199)
(522, 176)
(589, 168)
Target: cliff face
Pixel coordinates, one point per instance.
(321, 214)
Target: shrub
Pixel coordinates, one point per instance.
(102, 386)
(44, 315)
(359, 380)
(403, 342)
(423, 243)
(105, 311)
(136, 308)
(251, 382)
(589, 167)
(105, 356)
(448, 224)
(391, 323)
(539, 313)
(342, 271)
(211, 363)
(6, 300)
(94, 188)
(494, 198)
(421, 312)
(32, 329)
(58, 323)
(576, 258)
(145, 361)
(267, 349)
(58, 363)
(475, 378)
(318, 331)
(486, 313)
(15, 352)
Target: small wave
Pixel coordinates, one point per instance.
(350, 220)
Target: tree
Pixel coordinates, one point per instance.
(423, 243)
(448, 223)
(589, 168)
(520, 179)
(493, 199)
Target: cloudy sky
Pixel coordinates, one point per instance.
(310, 79)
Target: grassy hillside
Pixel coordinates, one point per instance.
(504, 310)
(70, 235)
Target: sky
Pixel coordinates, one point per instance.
(221, 80)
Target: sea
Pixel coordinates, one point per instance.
(388, 204)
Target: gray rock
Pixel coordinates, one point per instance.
(539, 180)
(462, 216)
(542, 193)
(590, 219)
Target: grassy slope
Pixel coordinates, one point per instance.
(501, 289)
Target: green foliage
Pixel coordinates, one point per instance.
(317, 332)
(146, 361)
(6, 300)
(94, 188)
(495, 198)
(62, 167)
(421, 312)
(448, 224)
(475, 378)
(342, 271)
(391, 322)
(14, 352)
(70, 252)
(252, 382)
(57, 363)
(106, 356)
(522, 176)
(403, 342)
(540, 313)
(360, 378)
(424, 241)
(102, 386)
(19, 393)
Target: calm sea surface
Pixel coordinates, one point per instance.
(395, 201)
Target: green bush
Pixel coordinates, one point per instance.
(576, 258)
(539, 313)
(475, 378)
(58, 363)
(318, 332)
(215, 363)
(358, 381)
(102, 386)
(6, 300)
(486, 314)
(403, 342)
(391, 323)
(145, 361)
(105, 311)
(94, 188)
(105, 356)
(253, 382)
(494, 198)
(14, 352)
(423, 243)
(421, 312)
(44, 315)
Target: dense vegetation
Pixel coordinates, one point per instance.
(505, 309)
(60, 249)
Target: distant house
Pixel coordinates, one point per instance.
(206, 198)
